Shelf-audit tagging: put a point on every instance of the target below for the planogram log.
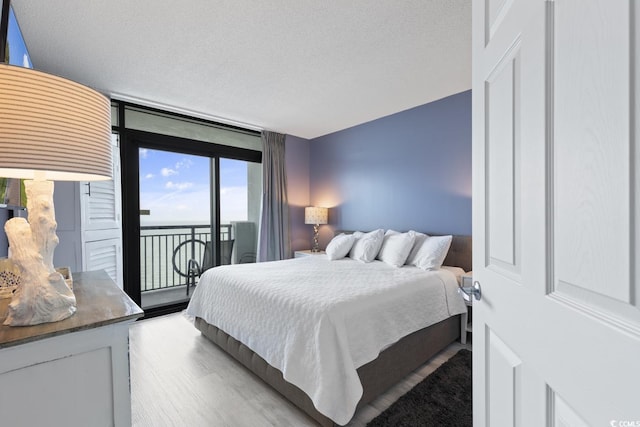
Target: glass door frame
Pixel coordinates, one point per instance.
(131, 142)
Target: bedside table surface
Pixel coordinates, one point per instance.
(466, 280)
(307, 252)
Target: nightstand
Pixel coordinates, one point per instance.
(301, 254)
(466, 324)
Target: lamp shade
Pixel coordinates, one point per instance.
(52, 128)
(315, 215)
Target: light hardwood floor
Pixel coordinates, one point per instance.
(179, 378)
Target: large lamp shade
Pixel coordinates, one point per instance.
(316, 215)
(52, 128)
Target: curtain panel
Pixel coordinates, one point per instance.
(273, 235)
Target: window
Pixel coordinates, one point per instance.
(191, 191)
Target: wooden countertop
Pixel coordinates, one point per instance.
(99, 300)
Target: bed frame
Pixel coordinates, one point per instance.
(393, 364)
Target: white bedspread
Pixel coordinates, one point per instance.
(318, 320)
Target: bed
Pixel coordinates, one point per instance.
(331, 335)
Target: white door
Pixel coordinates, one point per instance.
(556, 223)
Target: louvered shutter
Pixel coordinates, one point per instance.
(101, 199)
(101, 222)
(105, 255)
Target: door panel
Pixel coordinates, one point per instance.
(557, 332)
(504, 385)
(563, 415)
(598, 183)
(495, 11)
(502, 139)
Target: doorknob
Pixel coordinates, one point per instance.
(471, 291)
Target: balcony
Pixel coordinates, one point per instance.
(160, 283)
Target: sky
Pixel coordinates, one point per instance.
(175, 188)
(18, 54)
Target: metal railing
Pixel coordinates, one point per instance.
(157, 244)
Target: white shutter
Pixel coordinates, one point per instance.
(101, 222)
(101, 199)
(105, 255)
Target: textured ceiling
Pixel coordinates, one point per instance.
(301, 67)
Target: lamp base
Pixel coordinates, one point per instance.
(43, 296)
(315, 247)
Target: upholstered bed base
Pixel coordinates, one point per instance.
(393, 364)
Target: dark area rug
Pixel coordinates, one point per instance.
(441, 399)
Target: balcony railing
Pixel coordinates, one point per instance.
(157, 244)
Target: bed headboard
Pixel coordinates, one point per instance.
(460, 252)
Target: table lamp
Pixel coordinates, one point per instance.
(316, 216)
(50, 129)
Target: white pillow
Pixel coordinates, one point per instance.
(340, 246)
(396, 247)
(367, 245)
(429, 252)
(417, 244)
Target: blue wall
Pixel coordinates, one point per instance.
(410, 170)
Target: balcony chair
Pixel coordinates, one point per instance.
(186, 255)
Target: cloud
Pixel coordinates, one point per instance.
(149, 176)
(25, 61)
(178, 185)
(168, 172)
(184, 163)
(143, 152)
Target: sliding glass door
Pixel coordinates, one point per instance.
(196, 212)
(188, 205)
(176, 231)
(240, 191)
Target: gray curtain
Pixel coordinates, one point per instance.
(273, 235)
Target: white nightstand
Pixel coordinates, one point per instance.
(466, 325)
(300, 254)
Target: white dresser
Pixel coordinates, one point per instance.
(74, 372)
